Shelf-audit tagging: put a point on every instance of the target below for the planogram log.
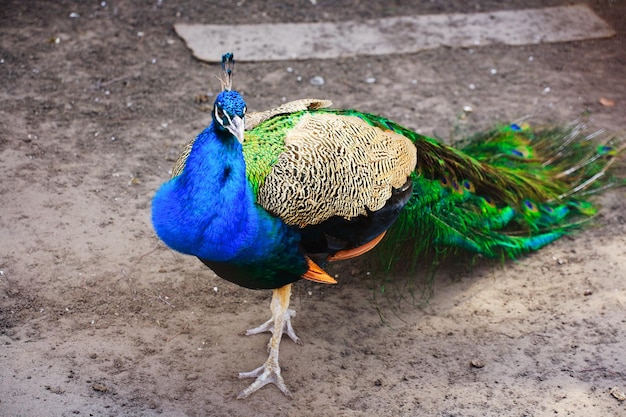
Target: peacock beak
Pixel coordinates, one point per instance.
(236, 127)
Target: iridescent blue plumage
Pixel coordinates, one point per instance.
(209, 210)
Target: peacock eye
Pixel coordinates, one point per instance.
(219, 115)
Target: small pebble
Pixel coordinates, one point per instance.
(55, 390)
(477, 363)
(317, 80)
(618, 394)
(99, 387)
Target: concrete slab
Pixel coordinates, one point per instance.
(393, 35)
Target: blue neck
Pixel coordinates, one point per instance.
(209, 209)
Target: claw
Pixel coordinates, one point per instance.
(280, 323)
(268, 373)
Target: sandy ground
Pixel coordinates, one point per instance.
(98, 318)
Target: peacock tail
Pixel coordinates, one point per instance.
(516, 190)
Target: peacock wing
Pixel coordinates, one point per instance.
(312, 166)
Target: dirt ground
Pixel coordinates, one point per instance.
(98, 318)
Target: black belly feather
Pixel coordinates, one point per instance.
(337, 233)
(255, 276)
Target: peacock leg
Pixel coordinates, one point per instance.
(268, 326)
(280, 323)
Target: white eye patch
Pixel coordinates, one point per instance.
(220, 115)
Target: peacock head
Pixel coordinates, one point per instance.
(229, 109)
(229, 113)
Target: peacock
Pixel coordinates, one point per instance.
(266, 199)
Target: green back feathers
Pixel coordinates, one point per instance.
(265, 136)
(263, 145)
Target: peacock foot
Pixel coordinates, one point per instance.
(268, 373)
(287, 327)
(279, 324)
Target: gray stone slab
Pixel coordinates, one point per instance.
(393, 35)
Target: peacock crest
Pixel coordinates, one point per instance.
(228, 66)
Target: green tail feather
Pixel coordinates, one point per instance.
(501, 194)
